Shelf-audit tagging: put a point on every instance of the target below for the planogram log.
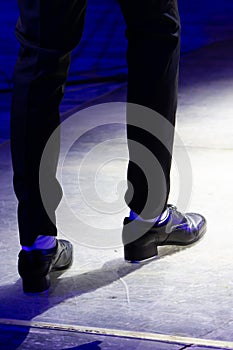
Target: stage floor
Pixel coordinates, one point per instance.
(183, 298)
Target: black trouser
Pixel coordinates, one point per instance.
(48, 30)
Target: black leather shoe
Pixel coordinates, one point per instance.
(34, 266)
(141, 239)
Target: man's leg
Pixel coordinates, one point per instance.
(153, 33)
(47, 32)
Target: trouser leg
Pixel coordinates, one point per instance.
(47, 32)
(153, 33)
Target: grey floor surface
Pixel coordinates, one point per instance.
(184, 292)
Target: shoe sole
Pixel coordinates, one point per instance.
(146, 247)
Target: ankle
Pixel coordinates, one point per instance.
(42, 242)
(158, 219)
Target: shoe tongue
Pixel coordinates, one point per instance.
(177, 217)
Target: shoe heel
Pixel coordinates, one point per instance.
(139, 242)
(36, 284)
(138, 252)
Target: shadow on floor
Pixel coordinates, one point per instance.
(18, 306)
